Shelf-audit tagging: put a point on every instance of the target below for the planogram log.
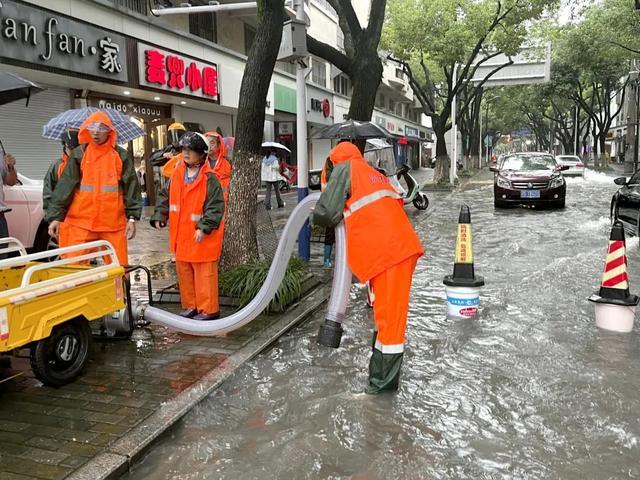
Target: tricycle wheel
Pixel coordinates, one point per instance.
(60, 358)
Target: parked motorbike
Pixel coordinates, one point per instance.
(412, 193)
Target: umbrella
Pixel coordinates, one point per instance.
(351, 130)
(376, 144)
(12, 88)
(126, 129)
(275, 145)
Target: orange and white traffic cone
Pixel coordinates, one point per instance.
(615, 306)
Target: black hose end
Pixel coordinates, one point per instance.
(330, 334)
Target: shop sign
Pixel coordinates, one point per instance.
(411, 132)
(132, 108)
(285, 128)
(380, 121)
(172, 72)
(323, 106)
(391, 126)
(35, 36)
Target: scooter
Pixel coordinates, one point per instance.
(412, 193)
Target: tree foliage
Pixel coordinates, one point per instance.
(430, 37)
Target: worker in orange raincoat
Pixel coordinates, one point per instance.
(194, 208)
(69, 142)
(98, 194)
(219, 161)
(382, 248)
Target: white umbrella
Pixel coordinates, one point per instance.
(275, 145)
(376, 144)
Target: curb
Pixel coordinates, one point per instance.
(116, 460)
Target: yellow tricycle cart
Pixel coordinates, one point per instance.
(47, 302)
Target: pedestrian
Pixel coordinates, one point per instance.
(382, 248)
(98, 194)
(219, 161)
(271, 176)
(9, 178)
(329, 232)
(69, 142)
(193, 204)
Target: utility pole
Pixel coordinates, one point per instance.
(454, 129)
(304, 237)
(631, 155)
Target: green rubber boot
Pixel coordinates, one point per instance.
(384, 372)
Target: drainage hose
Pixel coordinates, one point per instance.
(337, 302)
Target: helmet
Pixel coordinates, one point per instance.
(194, 141)
(70, 138)
(174, 132)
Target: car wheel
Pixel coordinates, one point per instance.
(421, 202)
(60, 358)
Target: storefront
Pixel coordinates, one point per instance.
(285, 119)
(58, 53)
(319, 114)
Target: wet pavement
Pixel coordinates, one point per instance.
(530, 389)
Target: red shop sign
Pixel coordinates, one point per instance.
(176, 73)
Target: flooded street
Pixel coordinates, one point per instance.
(529, 390)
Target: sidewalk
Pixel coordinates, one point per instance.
(132, 391)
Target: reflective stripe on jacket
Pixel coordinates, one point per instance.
(198, 205)
(379, 234)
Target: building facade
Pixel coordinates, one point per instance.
(157, 70)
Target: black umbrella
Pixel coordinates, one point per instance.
(351, 130)
(13, 87)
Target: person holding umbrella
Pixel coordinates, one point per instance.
(270, 174)
(98, 195)
(382, 248)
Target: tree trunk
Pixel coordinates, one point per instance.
(240, 242)
(365, 80)
(441, 172)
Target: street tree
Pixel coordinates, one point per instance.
(436, 41)
(360, 60)
(240, 242)
(598, 70)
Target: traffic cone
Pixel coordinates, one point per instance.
(463, 287)
(615, 307)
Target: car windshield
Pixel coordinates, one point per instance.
(529, 163)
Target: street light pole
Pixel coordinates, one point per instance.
(454, 129)
(304, 237)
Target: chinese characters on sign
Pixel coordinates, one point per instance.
(169, 71)
(35, 36)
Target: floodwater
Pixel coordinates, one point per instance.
(531, 389)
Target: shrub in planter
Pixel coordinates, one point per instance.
(243, 282)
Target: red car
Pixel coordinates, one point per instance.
(531, 179)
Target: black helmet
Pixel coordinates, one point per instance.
(195, 141)
(70, 138)
(175, 132)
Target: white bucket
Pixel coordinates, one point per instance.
(617, 318)
(462, 302)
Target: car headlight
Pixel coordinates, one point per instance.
(503, 182)
(556, 182)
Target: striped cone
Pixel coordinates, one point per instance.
(614, 304)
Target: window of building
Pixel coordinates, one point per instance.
(287, 67)
(392, 105)
(399, 73)
(381, 101)
(138, 6)
(249, 37)
(342, 85)
(204, 26)
(319, 72)
(400, 109)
